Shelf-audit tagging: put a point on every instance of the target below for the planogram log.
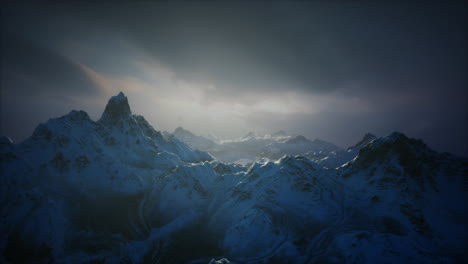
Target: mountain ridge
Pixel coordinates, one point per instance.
(117, 190)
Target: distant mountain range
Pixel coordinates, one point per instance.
(252, 147)
(117, 190)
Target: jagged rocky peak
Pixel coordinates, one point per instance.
(396, 144)
(394, 136)
(77, 115)
(116, 108)
(368, 137)
(181, 131)
(400, 140)
(395, 141)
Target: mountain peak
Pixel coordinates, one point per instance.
(279, 133)
(368, 137)
(397, 144)
(117, 107)
(397, 136)
(249, 135)
(181, 132)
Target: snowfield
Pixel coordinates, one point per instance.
(117, 190)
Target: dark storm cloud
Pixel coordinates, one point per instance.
(233, 45)
(30, 69)
(36, 83)
(242, 47)
(406, 62)
(313, 47)
(306, 47)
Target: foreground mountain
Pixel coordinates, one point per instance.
(118, 191)
(77, 185)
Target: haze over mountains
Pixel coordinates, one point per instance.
(118, 190)
(250, 147)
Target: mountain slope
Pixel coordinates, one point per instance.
(88, 176)
(118, 191)
(333, 158)
(194, 141)
(419, 189)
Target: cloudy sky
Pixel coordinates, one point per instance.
(331, 71)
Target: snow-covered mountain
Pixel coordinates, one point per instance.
(194, 141)
(76, 180)
(118, 191)
(252, 147)
(337, 157)
(418, 195)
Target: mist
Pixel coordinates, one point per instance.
(325, 71)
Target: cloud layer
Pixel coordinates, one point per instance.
(333, 71)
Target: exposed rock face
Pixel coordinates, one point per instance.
(116, 109)
(368, 137)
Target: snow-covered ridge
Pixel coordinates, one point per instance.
(117, 190)
(252, 146)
